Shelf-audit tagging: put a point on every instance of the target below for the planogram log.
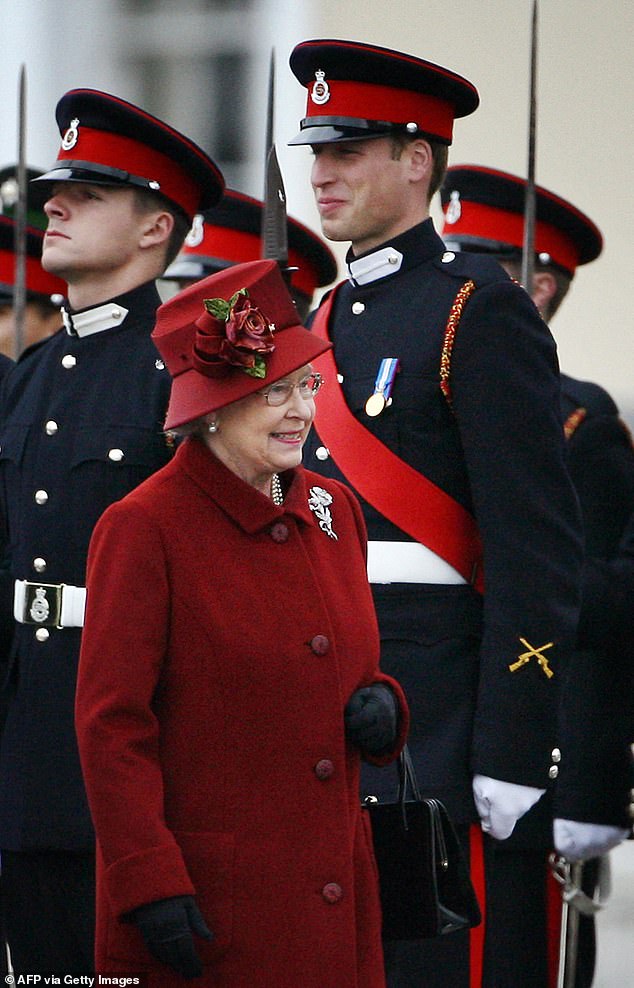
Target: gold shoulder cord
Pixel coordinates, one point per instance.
(455, 315)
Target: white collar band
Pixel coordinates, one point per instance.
(96, 320)
(373, 266)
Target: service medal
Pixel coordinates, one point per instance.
(382, 387)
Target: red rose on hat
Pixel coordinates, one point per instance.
(233, 333)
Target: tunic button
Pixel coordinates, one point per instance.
(41, 497)
(556, 755)
(320, 644)
(116, 455)
(39, 565)
(51, 427)
(553, 772)
(340, 378)
(159, 364)
(279, 532)
(332, 892)
(324, 768)
(322, 453)
(448, 256)
(68, 361)
(42, 634)
(358, 308)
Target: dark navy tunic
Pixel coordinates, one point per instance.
(499, 451)
(598, 728)
(80, 425)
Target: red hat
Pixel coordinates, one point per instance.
(39, 283)
(227, 336)
(107, 141)
(484, 212)
(231, 233)
(357, 91)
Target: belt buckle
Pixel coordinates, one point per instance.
(43, 604)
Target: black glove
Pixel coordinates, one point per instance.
(371, 717)
(167, 926)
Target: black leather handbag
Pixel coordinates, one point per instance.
(424, 882)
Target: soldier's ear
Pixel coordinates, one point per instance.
(157, 228)
(420, 158)
(544, 288)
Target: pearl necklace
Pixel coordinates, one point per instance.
(276, 490)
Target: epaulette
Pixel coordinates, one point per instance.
(481, 268)
(589, 396)
(36, 346)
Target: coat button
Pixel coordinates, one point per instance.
(324, 768)
(279, 532)
(556, 755)
(42, 634)
(358, 308)
(553, 772)
(448, 256)
(68, 361)
(41, 497)
(51, 427)
(116, 455)
(320, 644)
(332, 892)
(322, 453)
(39, 565)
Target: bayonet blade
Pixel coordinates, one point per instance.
(19, 280)
(274, 221)
(528, 249)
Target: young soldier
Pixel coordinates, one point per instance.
(440, 363)
(484, 210)
(231, 233)
(80, 425)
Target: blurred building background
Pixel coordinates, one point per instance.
(203, 65)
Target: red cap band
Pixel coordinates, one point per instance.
(492, 223)
(37, 279)
(368, 101)
(109, 149)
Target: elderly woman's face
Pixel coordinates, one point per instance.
(255, 439)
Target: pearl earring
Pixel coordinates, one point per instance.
(212, 427)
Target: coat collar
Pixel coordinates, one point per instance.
(246, 506)
(418, 244)
(111, 314)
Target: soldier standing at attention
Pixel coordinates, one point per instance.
(81, 424)
(484, 210)
(440, 363)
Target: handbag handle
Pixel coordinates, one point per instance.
(407, 777)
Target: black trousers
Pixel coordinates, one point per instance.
(49, 902)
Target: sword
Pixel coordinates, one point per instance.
(19, 280)
(274, 219)
(574, 903)
(528, 250)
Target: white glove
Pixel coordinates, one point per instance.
(579, 841)
(501, 804)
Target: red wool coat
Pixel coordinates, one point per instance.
(223, 637)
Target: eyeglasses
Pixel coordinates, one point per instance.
(280, 392)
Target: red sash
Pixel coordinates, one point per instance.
(409, 500)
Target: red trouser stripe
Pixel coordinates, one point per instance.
(476, 936)
(553, 925)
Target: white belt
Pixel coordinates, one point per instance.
(408, 562)
(57, 605)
